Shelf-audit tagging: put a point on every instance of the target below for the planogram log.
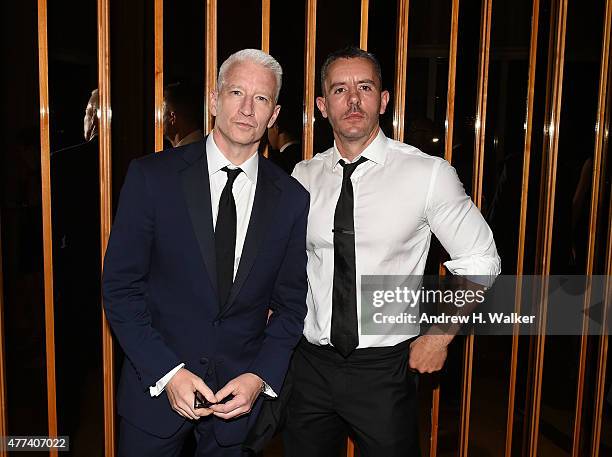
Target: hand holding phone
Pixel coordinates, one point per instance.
(201, 402)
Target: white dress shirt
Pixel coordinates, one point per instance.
(243, 190)
(401, 196)
(244, 195)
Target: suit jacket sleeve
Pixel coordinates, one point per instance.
(124, 282)
(288, 303)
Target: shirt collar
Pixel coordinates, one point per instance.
(286, 145)
(194, 136)
(375, 151)
(216, 160)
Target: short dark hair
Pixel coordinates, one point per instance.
(350, 52)
(290, 120)
(185, 99)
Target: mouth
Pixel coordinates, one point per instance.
(354, 116)
(244, 125)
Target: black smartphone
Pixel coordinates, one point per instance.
(201, 402)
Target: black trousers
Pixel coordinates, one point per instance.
(371, 396)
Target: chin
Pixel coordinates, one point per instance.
(354, 134)
(241, 138)
(237, 133)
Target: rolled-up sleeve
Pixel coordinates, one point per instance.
(460, 227)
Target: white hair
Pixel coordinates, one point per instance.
(254, 56)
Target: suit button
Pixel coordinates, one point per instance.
(209, 372)
(204, 360)
(216, 323)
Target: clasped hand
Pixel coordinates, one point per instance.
(180, 390)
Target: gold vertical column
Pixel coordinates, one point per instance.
(159, 74)
(533, 48)
(265, 41)
(602, 351)
(104, 87)
(479, 146)
(601, 149)
(350, 447)
(363, 30)
(598, 160)
(448, 155)
(547, 206)
(481, 101)
(531, 359)
(401, 60)
(45, 161)
(211, 59)
(309, 78)
(265, 26)
(452, 74)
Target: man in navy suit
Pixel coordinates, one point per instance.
(208, 237)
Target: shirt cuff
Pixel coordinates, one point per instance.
(267, 390)
(160, 385)
(479, 269)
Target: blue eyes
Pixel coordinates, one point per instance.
(259, 98)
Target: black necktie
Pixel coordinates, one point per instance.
(225, 236)
(344, 335)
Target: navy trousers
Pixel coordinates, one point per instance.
(134, 442)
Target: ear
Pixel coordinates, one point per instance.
(172, 118)
(275, 113)
(87, 130)
(212, 99)
(321, 105)
(384, 100)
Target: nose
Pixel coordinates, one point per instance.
(353, 96)
(247, 106)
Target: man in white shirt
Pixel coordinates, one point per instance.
(207, 239)
(374, 203)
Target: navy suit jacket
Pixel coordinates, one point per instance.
(159, 286)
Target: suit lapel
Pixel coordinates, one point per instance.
(264, 203)
(196, 188)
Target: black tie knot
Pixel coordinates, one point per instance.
(349, 168)
(232, 174)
